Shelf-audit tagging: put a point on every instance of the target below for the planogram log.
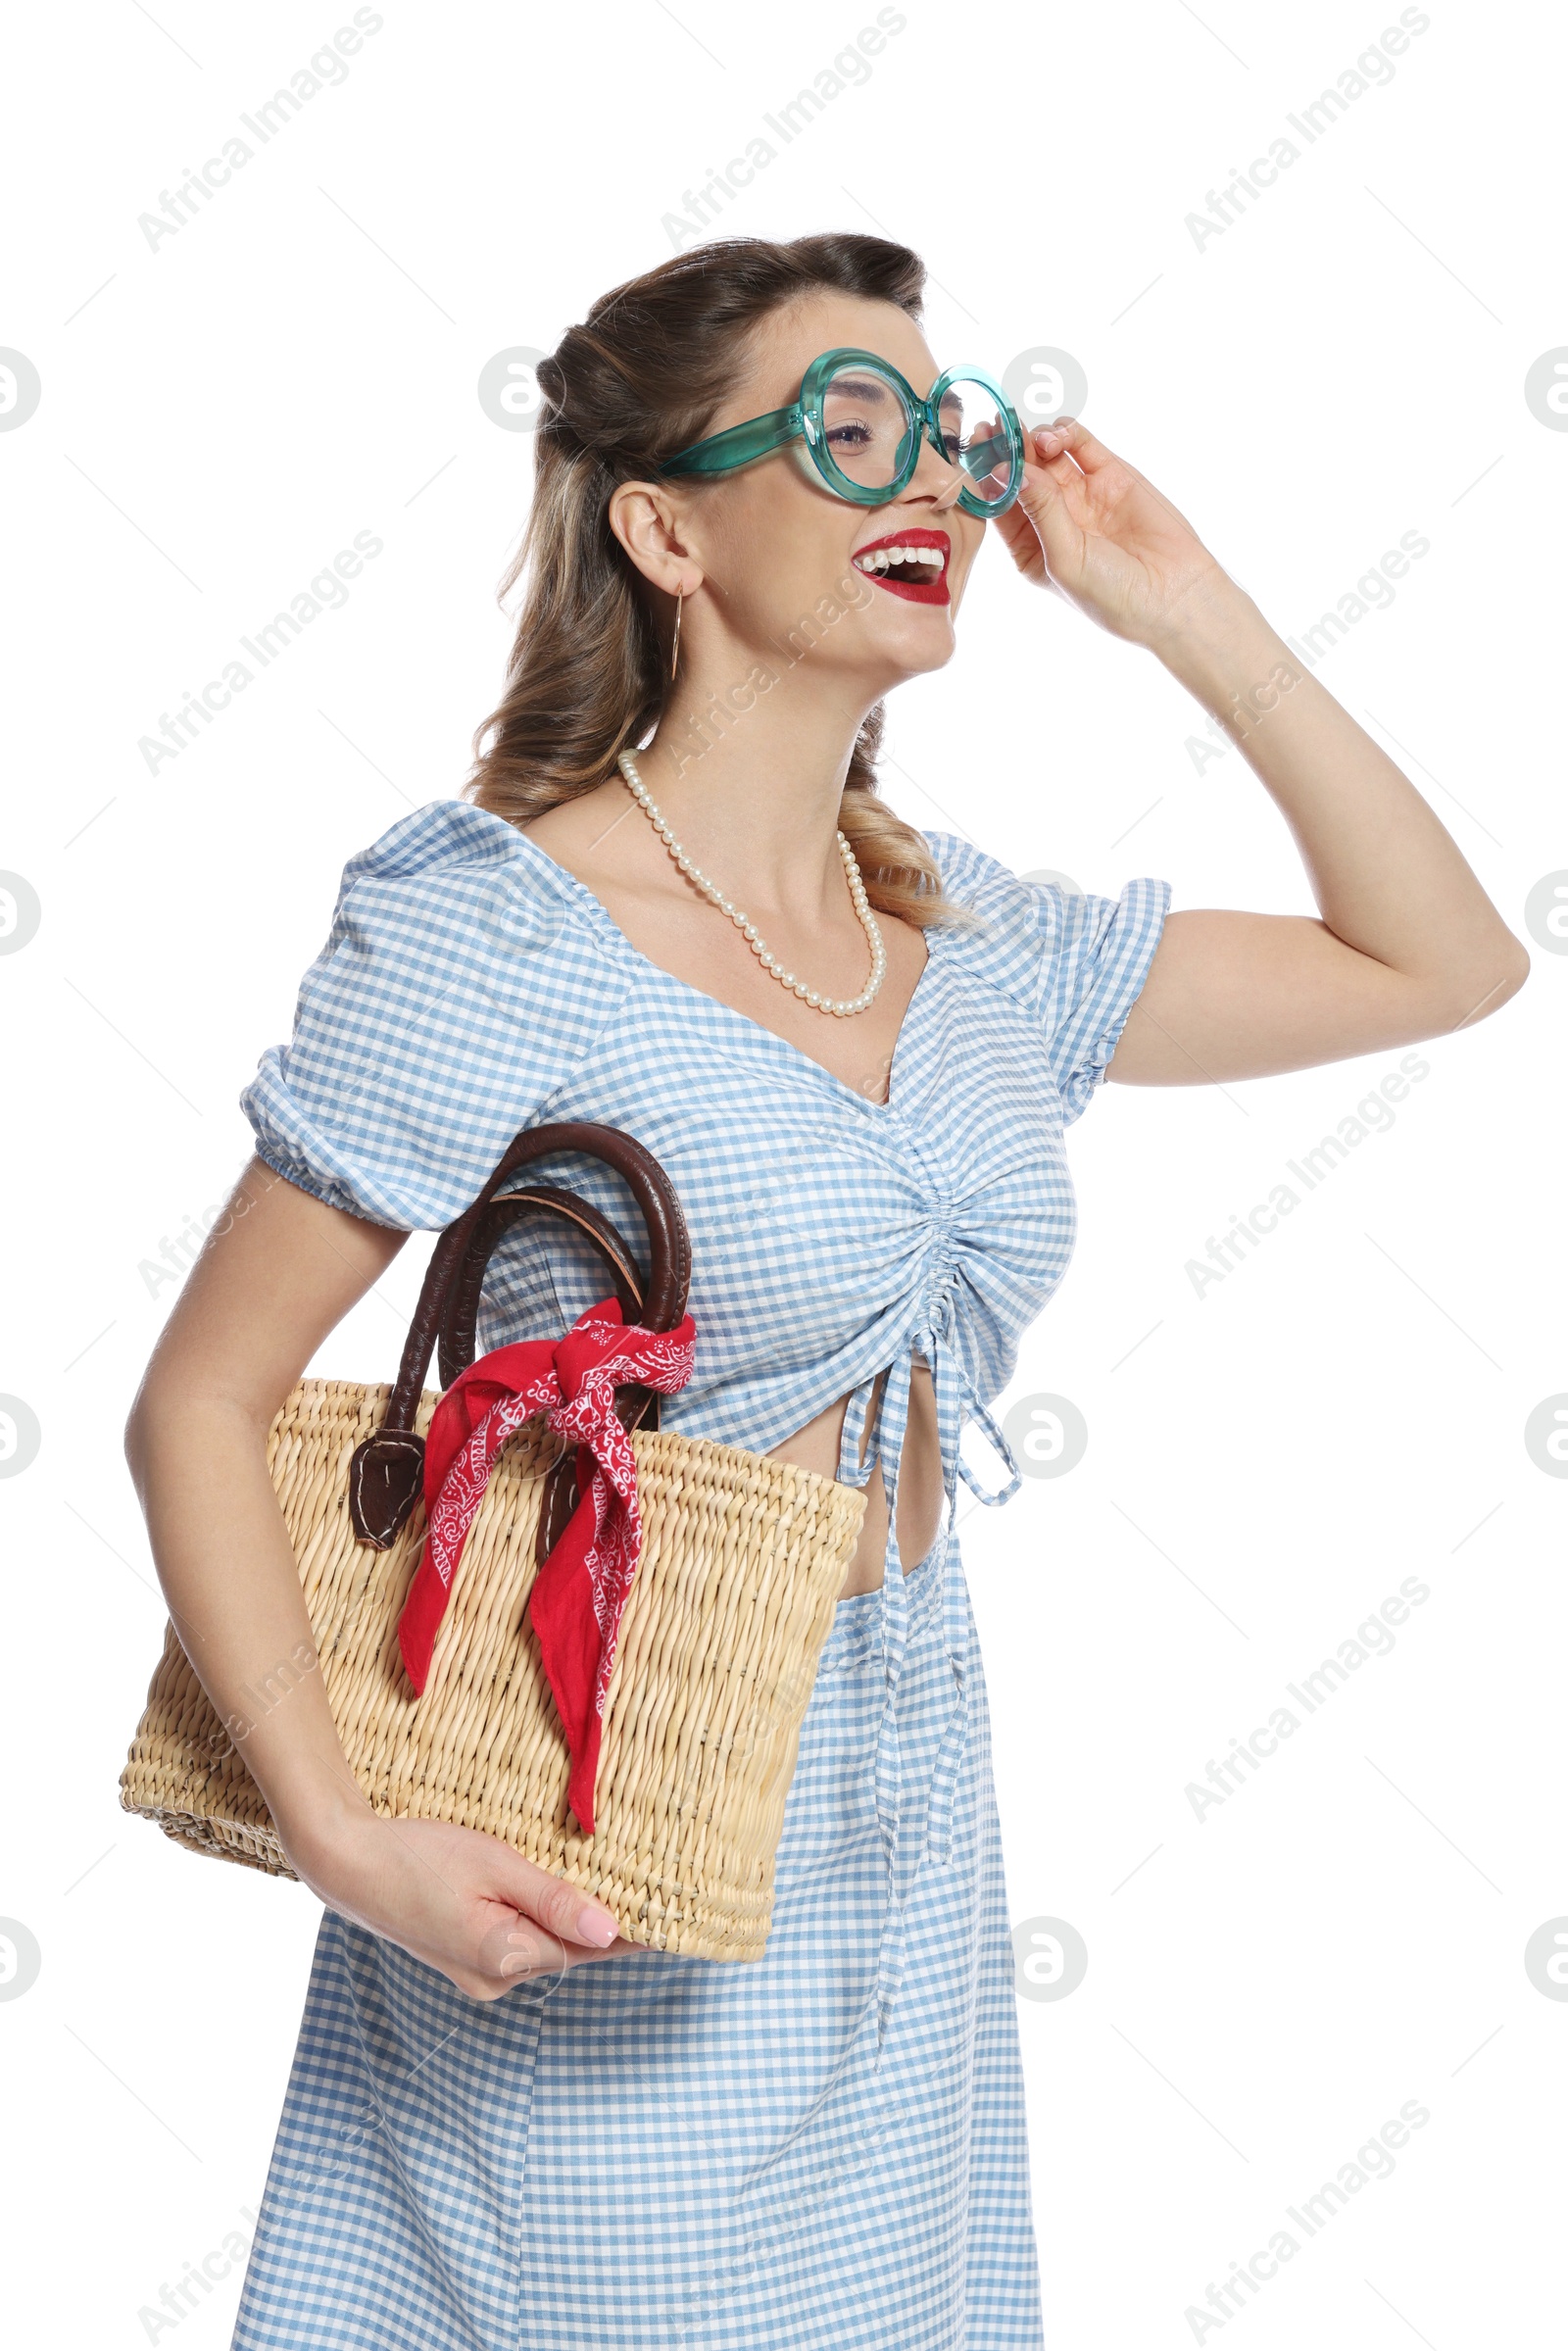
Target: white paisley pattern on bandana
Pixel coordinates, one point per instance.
(573, 1384)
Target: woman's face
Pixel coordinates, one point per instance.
(790, 567)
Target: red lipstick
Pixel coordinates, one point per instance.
(921, 578)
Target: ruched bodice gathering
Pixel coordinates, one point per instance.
(472, 986)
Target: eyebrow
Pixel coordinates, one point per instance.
(867, 387)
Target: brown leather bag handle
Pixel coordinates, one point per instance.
(457, 1341)
(636, 1406)
(386, 1470)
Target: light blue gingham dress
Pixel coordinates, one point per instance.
(824, 2150)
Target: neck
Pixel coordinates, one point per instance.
(755, 789)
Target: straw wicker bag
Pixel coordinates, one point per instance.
(741, 1563)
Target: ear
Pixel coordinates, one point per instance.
(647, 521)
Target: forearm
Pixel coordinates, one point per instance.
(233, 1591)
(261, 1298)
(1387, 877)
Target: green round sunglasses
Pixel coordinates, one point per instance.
(862, 423)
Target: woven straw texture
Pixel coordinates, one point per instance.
(742, 1563)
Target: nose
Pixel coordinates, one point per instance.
(936, 478)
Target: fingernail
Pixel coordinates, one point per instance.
(596, 1926)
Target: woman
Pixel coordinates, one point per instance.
(506, 2127)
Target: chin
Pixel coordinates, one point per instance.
(920, 643)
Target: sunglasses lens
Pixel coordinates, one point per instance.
(866, 427)
(975, 438)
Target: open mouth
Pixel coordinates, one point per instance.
(912, 563)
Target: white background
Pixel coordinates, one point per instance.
(220, 414)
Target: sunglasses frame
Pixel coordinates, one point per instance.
(743, 444)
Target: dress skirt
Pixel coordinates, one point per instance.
(821, 2150)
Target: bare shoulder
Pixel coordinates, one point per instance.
(581, 834)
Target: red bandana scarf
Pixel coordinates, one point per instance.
(580, 1591)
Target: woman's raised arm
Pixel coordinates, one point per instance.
(1408, 945)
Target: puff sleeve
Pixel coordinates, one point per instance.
(457, 990)
(1076, 960)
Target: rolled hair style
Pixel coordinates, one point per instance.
(588, 676)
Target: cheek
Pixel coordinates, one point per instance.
(774, 567)
(967, 545)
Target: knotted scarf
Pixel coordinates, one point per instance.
(580, 1590)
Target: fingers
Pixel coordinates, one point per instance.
(522, 1953)
(1022, 540)
(1054, 512)
(1086, 458)
(541, 1954)
(475, 1908)
(514, 1947)
(1067, 437)
(1050, 470)
(561, 1910)
(1045, 445)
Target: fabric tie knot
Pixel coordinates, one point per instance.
(580, 1591)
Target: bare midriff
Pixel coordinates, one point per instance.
(817, 1446)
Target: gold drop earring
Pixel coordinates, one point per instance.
(675, 650)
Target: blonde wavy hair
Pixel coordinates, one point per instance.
(588, 674)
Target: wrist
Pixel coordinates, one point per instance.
(326, 1831)
(1212, 615)
(1224, 652)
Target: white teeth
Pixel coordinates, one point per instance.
(878, 559)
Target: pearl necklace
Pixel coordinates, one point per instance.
(840, 1006)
